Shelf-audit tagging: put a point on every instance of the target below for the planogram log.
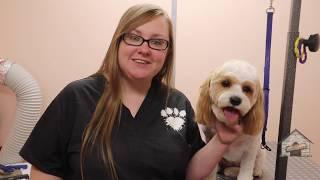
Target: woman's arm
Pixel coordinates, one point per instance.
(206, 159)
(36, 174)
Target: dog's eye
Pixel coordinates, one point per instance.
(247, 89)
(226, 83)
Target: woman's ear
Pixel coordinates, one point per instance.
(254, 120)
(204, 113)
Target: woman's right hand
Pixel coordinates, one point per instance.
(227, 134)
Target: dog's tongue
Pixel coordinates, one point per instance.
(231, 114)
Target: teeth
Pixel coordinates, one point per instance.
(140, 61)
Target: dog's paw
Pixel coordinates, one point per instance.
(245, 178)
(231, 171)
(257, 172)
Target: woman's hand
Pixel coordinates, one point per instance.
(227, 134)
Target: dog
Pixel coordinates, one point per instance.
(233, 94)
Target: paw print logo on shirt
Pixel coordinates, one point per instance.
(174, 118)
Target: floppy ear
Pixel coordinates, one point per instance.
(254, 120)
(204, 113)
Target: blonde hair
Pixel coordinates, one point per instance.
(107, 113)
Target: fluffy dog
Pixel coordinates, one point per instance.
(233, 94)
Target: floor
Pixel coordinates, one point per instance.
(298, 168)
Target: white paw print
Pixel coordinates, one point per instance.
(174, 118)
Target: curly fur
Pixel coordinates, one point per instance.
(235, 79)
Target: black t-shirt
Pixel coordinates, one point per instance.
(155, 144)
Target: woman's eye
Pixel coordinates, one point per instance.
(135, 38)
(156, 42)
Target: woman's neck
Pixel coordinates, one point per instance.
(134, 87)
(133, 93)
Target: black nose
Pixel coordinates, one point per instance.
(235, 100)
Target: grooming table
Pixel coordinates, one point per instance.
(299, 168)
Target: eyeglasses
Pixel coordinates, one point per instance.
(135, 40)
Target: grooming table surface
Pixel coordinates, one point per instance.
(298, 168)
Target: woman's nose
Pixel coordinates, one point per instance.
(144, 48)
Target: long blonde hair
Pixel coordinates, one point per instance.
(107, 113)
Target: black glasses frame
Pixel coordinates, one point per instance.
(144, 40)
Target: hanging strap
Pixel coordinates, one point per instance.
(270, 12)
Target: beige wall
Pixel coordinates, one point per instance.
(60, 41)
(211, 32)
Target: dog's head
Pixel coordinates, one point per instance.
(232, 94)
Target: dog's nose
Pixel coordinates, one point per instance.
(235, 100)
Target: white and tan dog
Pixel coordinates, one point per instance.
(233, 94)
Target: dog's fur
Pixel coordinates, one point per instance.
(233, 94)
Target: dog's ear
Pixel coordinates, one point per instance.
(254, 120)
(204, 113)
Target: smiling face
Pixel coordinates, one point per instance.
(234, 91)
(142, 62)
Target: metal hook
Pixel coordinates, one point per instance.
(270, 8)
(271, 2)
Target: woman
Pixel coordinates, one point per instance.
(125, 121)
